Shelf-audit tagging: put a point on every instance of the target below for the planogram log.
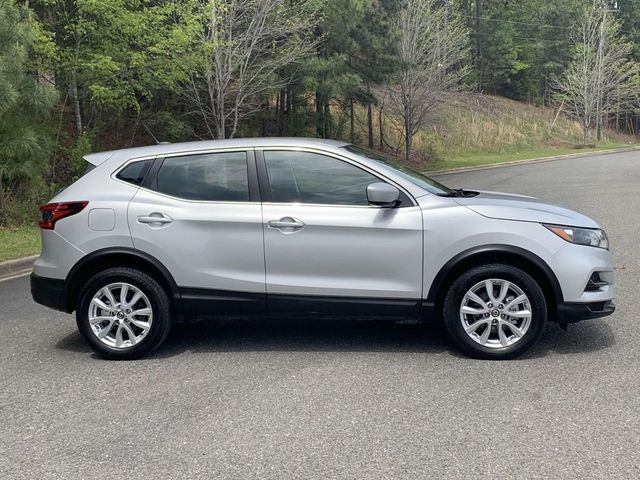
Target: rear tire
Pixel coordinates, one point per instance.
(123, 313)
(495, 312)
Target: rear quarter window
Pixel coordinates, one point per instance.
(135, 172)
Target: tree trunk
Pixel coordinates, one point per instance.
(381, 128)
(369, 118)
(278, 109)
(2, 199)
(263, 123)
(479, 42)
(408, 134)
(288, 123)
(319, 119)
(585, 131)
(326, 115)
(76, 103)
(352, 124)
(370, 124)
(221, 125)
(281, 112)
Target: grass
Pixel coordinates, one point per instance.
(481, 158)
(19, 242)
(473, 129)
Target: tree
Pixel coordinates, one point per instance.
(374, 58)
(518, 45)
(244, 47)
(600, 78)
(113, 55)
(332, 69)
(433, 43)
(25, 100)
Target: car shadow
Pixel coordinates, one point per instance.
(318, 335)
(341, 335)
(583, 337)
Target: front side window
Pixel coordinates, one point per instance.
(407, 173)
(209, 177)
(303, 177)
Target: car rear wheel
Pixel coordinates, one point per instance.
(123, 313)
(495, 311)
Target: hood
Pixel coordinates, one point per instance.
(525, 209)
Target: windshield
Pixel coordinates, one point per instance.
(409, 174)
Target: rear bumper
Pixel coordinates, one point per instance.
(570, 312)
(50, 292)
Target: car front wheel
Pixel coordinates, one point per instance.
(495, 311)
(123, 313)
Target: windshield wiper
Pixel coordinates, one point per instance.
(453, 192)
(459, 193)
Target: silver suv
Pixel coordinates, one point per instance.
(305, 227)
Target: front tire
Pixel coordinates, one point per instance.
(495, 312)
(123, 313)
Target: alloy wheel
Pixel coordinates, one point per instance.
(495, 313)
(120, 315)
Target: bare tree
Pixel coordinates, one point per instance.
(433, 44)
(600, 78)
(246, 45)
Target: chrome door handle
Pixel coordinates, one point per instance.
(155, 218)
(286, 223)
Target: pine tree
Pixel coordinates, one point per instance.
(25, 100)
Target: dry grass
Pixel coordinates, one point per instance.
(481, 125)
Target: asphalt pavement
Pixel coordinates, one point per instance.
(340, 399)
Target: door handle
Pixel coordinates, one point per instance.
(155, 218)
(286, 223)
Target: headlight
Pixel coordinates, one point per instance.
(591, 237)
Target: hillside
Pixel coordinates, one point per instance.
(474, 129)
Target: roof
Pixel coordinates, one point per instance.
(167, 148)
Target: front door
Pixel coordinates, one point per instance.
(326, 249)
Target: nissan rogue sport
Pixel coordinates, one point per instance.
(154, 235)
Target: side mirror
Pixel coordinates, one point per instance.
(383, 194)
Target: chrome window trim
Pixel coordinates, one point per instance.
(344, 159)
(183, 154)
(284, 147)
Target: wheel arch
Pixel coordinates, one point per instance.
(102, 259)
(507, 254)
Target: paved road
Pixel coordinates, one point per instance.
(336, 400)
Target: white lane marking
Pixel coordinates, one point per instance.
(20, 274)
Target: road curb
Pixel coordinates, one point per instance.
(530, 160)
(19, 266)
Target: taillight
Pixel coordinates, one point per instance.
(53, 212)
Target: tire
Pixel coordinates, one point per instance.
(521, 321)
(131, 328)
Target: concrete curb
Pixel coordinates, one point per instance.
(530, 160)
(16, 267)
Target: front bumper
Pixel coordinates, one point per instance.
(50, 292)
(570, 312)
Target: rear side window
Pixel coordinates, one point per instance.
(135, 172)
(210, 177)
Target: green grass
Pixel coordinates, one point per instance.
(472, 160)
(19, 242)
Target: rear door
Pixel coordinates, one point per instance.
(326, 249)
(200, 216)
